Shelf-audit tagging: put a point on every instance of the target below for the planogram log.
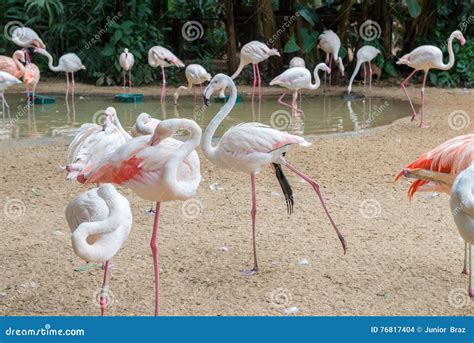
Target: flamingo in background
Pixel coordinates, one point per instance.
(436, 170)
(13, 65)
(365, 55)
(27, 38)
(157, 168)
(126, 61)
(330, 43)
(297, 78)
(6, 80)
(159, 56)
(92, 143)
(68, 63)
(31, 78)
(424, 58)
(144, 125)
(196, 75)
(462, 209)
(297, 62)
(254, 52)
(100, 221)
(248, 148)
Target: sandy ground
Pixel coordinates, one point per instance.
(402, 259)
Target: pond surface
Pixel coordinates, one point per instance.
(323, 114)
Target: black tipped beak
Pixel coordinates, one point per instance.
(206, 100)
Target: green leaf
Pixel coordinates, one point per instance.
(433, 78)
(309, 39)
(108, 51)
(116, 37)
(389, 69)
(414, 8)
(307, 13)
(291, 46)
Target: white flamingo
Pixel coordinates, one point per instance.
(27, 38)
(68, 63)
(424, 58)
(297, 62)
(248, 148)
(330, 43)
(127, 60)
(6, 80)
(100, 221)
(297, 78)
(159, 56)
(196, 75)
(365, 55)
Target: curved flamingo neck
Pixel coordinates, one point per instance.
(356, 70)
(451, 54)
(18, 64)
(50, 62)
(317, 80)
(142, 128)
(209, 151)
(121, 129)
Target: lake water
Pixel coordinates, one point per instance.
(323, 114)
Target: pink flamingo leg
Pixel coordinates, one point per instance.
(259, 82)
(73, 84)
(370, 76)
(315, 186)
(466, 259)
(130, 78)
(325, 74)
(330, 67)
(163, 87)
(403, 87)
(5, 106)
(124, 80)
(254, 82)
(253, 213)
(365, 75)
(154, 250)
(202, 95)
(280, 101)
(27, 55)
(67, 84)
(194, 92)
(104, 292)
(422, 125)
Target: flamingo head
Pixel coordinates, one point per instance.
(458, 35)
(217, 83)
(40, 51)
(110, 115)
(165, 129)
(125, 51)
(20, 55)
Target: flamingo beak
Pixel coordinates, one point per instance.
(463, 40)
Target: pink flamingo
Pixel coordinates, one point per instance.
(127, 61)
(248, 148)
(424, 58)
(92, 143)
(144, 125)
(6, 80)
(159, 56)
(196, 75)
(297, 78)
(157, 168)
(254, 52)
(27, 38)
(13, 65)
(330, 43)
(68, 63)
(31, 78)
(364, 55)
(100, 221)
(436, 170)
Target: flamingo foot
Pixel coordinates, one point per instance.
(424, 126)
(249, 272)
(465, 271)
(413, 116)
(471, 292)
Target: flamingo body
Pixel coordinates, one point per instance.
(330, 43)
(27, 38)
(159, 56)
(364, 55)
(13, 65)
(196, 75)
(126, 60)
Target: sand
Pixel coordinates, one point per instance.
(402, 258)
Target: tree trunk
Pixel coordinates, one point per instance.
(269, 28)
(384, 19)
(231, 43)
(344, 20)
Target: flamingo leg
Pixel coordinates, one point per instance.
(365, 75)
(465, 269)
(315, 186)
(27, 55)
(124, 80)
(325, 74)
(163, 87)
(471, 271)
(73, 84)
(154, 250)
(67, 84)
(370, 76)
(130, 78)
(254, 82)
(253, 214)
(422, 125)
(280, 101)
(194, 92)
(330, 67)
(7, 107)
(404, 89)
(259, 82)
(202, 95)
(104, 291)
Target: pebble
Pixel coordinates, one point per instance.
(216, 186)
(275, 194)
(292, 310)
(58, 233)
(224, 249)
(303, 262)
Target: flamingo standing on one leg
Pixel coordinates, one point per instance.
(126, 61)
(27, 38)
(6, 80)
(462, 208)
(144, 125)
(365, 55)
(297, 78)
(159, 56)
(248, 148)
(435, 171)
(424, 58)
(13, 65)
(68, 63)
(196, 75)
(330, 43)
(254, 52)
(157, 168)
(100, 221)
(298, 62)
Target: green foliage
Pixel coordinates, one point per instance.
(414, 8)
(291, 46)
